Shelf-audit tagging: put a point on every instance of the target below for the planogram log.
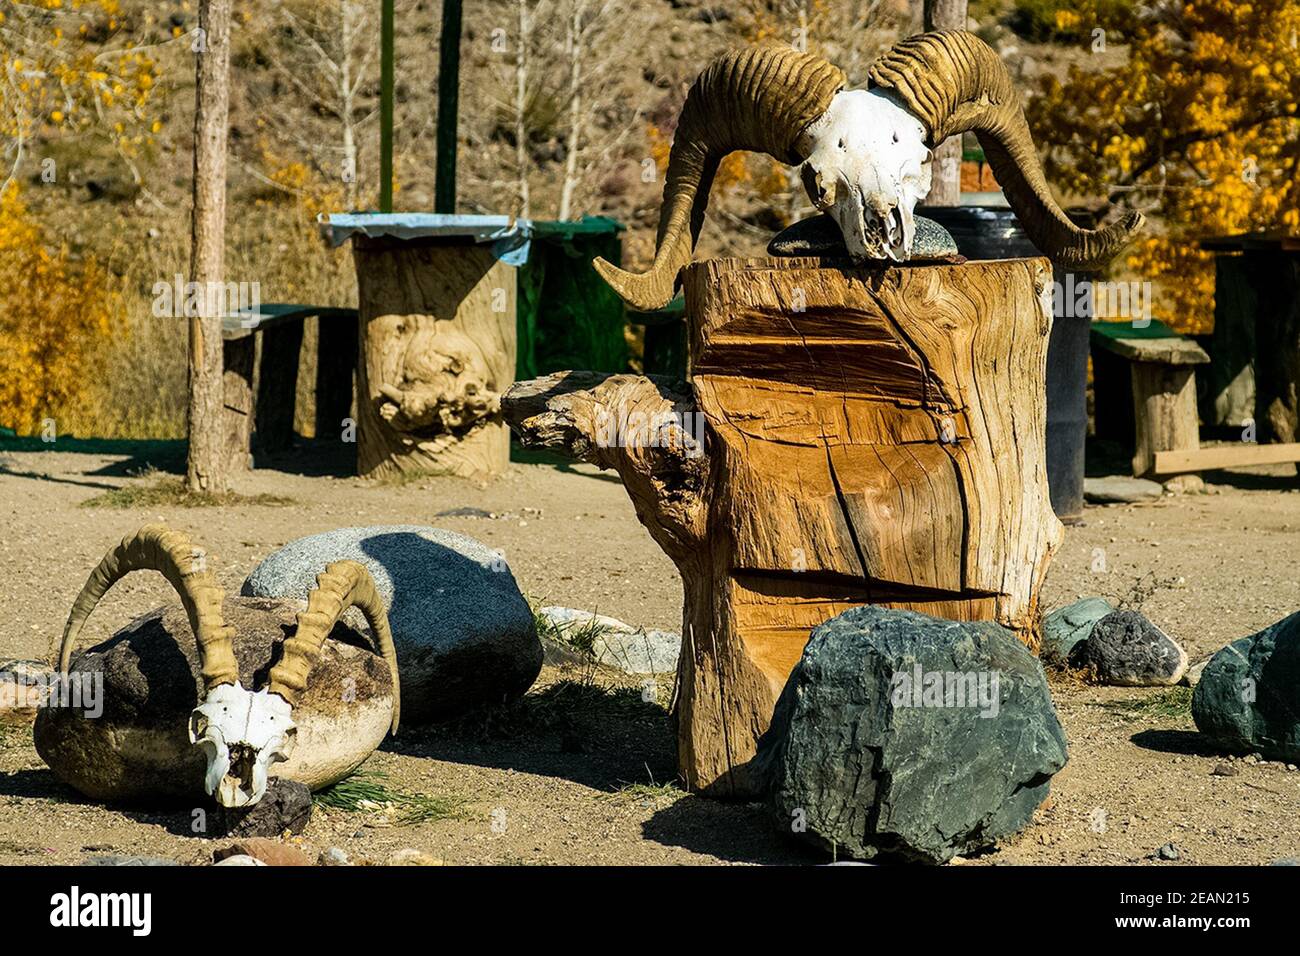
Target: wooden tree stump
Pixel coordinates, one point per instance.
(438, 348)
(874, 436)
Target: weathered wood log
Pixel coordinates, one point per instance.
(874, 436)
(1164, 398)
(438, 350)
(237, 401)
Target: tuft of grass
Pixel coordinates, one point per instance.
(170, 492)
(1169, 704)
(651, 791)
(581, 636)
(367, 791)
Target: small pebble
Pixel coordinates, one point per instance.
(1168, 852)
(332, 857)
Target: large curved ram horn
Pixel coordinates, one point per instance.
(341, 585)
(758, 98)
(156, 547)
(953, 81)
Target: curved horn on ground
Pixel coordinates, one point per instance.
(955, 82)
(760, 99)
(158, 548)
(341, 585)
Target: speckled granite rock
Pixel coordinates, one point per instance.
(820, 236)
(464, 634)
(1127, 650)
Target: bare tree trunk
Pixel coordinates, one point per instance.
(521, 106)
(207, 467)
(347, 11)
(946, 190)
(574, 48)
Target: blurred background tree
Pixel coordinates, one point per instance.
(1198, 129)
(80, 66)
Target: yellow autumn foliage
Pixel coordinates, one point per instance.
(55, 319)
(74, 66)
(1199, 129)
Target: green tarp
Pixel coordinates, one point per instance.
(568, 318)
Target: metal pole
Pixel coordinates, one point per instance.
(386, 108)
(444, 189)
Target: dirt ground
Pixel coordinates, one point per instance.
(585, 778)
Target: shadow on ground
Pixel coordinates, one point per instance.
(1184, 742)
(602, 737)
(736, 832)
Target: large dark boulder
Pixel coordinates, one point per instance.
(1126, 650)
(910, 737)
(1248, 697)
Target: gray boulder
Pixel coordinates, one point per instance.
(633, 650)
(1126, 650)
(904, 736)
(1067, 626)
(464, 634)
(1248, 697)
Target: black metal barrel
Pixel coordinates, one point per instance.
(990, 232)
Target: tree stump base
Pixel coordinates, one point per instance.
(869, 436)
(437, 326)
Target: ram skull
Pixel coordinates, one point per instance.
(864, 155)
(241, 733)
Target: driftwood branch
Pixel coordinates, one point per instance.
(646, 428)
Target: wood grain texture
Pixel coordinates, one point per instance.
(438, 350)
(874, 436)
(1164, 412)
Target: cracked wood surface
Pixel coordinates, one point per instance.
(873, 436)
(437, 326)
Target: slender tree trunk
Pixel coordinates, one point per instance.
(946, 190)
(574, 48)
(347, 13)
(206, 469)
(521, 107)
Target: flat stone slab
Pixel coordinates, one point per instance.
(1118, 489)
(633, 650)
(820, 236)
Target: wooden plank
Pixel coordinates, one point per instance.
(272, 315)
(1225, 456)
(1161, 351)
(1164, 412)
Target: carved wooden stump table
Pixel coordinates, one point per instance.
(438, 349)
(874, 436)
